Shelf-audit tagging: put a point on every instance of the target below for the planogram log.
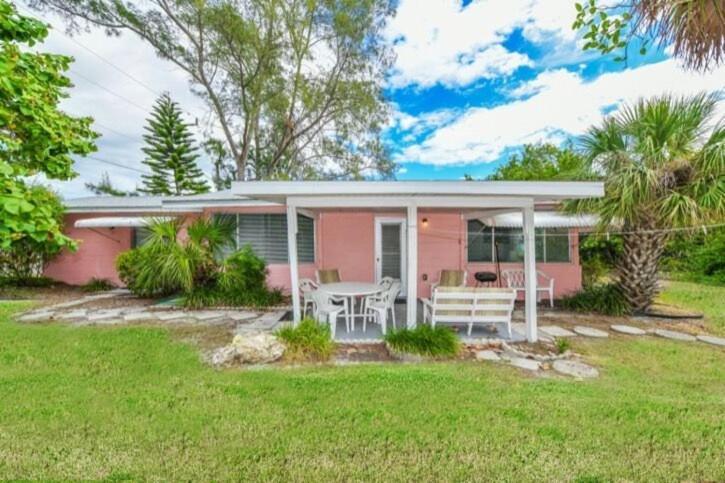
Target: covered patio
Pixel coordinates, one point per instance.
(413, 202)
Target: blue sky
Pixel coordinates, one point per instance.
(472, 82)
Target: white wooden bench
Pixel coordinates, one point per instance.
(515, 279)
(470, 305)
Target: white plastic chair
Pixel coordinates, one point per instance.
(326, 311)
(307, 286)
(515, 278)
(386, 282)
(380, 304)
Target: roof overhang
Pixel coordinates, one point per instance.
(119, 221)
(420, 193)
(542, 219)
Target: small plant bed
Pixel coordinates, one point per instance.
(309, 341)
(97, 285)
(423, 342)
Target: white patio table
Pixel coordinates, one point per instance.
(350, 291)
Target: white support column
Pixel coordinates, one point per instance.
(412, 276)
(530, 273)
(293, 261)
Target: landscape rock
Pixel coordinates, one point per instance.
(142, 315)
(628, 329)
(104, 314)
(556, 331)
(487, 355)
(590, 331)
(671, 334)
(710, 339)
(257, 347)
(575, 369)
(171, 315)
(73, 314)
(223, 356)
(527, 364)
(36, 316)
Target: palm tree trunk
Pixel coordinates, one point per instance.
(637, 268)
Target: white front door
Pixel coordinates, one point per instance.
(390, 256)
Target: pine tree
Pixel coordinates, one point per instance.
(170, 153)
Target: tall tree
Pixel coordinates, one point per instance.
(663, 163)
(694, 28)
(170, 153)
(223, 167)
(105, 187)
(36, 136)
(542, 162)
(295, 86)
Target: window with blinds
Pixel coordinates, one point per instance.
(551, 244)
(267, 235)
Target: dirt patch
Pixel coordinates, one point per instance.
(43, 295)
(376, 352)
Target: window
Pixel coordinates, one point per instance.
(139, 236)
(267, 235)
(551, 244)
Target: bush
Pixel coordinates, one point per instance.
(562, 345)
(696, 256)
(598, 255)
(425, 340)
(605, 299)
(243, 271)
(132, 268)
(309, 341)
(27, 282)
(98, 285)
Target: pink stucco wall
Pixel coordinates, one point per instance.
(343, 239)
(96, 254)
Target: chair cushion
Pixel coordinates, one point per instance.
(451, 278)
(329, 276)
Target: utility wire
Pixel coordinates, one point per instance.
(113, 163)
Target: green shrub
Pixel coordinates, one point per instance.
(696, 256)
(97, 285)
(27, 282)
(243, 271)
(562, 345)
(133, 269)
(309, 341)
(605, 299)
(425, 340)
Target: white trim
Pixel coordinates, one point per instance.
(293, 262)
(538, 189)
(336, 202)
(391, 220)
(412, 277)
(530, 274)
(119, 221)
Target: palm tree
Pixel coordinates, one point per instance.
(663, 161)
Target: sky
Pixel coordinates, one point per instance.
(472, 82)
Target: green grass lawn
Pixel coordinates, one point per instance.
(708, 299)
(132, 403)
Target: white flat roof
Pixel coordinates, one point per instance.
(540, 191)
(542, 219)
(117, 221)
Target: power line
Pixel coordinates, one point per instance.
(101, 86)
(113, 163)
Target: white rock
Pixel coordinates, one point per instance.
(590, 331)
(575, 369)
(671, 334)
(223, 356)
(628, 329)
(528, 364)
(257, 347)
(487, 355)
(556, 331)
(710, 339)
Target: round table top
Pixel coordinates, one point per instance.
(348, 289)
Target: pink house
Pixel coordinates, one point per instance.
(410, 230)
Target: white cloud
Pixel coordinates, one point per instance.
(558, 103)
(440, 41)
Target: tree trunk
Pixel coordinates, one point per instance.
(637, 268)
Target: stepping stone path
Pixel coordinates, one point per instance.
(628, 329)
(590, 332)
(527, 364)
(709, 339)
(575, 369)
(487, 355)
(556, 331)
(671, 334)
